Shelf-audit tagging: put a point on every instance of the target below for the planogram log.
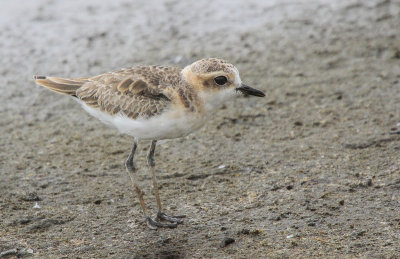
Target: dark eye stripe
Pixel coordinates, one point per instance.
(221, 80)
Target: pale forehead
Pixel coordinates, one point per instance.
(212, 65)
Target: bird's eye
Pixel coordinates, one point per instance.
(221, 80)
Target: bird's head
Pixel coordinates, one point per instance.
(216, 77)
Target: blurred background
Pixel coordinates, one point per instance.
(311, 170)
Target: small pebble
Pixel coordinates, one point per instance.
(227, 241)
(32, 196)
(244, 231)
(8, 253)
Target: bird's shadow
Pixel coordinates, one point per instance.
(167, 248)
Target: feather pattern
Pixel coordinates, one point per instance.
(152, 102)
(138, 92)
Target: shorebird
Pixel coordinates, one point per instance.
(154, 103)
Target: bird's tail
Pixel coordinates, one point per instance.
(60, 85)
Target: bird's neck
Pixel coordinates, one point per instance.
(214, 100)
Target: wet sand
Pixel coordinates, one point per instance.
(312, 170)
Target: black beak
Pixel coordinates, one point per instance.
(245, 89)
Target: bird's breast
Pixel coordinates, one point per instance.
(168, 125)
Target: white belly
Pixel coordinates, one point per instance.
(168, 125)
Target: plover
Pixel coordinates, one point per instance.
(154, 103)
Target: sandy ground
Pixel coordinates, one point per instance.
(312, 170)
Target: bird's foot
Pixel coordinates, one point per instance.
(156, 223)
(173, 219)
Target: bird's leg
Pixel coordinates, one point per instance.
(131, 169)
(160, 215)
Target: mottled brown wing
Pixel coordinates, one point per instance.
(137, 92)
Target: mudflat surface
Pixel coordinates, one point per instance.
(312, 170)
